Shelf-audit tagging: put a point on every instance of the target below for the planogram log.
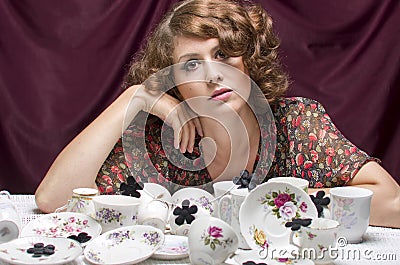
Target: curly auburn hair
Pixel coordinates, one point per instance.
(243, 29)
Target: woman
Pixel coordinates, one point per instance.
(206, 49)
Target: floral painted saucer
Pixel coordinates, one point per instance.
(16, 251)
(125, 245)
(253, 257)
(267, 209)
(63, 224)
(203, 199)
(174, 247)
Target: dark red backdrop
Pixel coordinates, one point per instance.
(62, 63)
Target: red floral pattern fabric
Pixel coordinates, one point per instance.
(308, 145)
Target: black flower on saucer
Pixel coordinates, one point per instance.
(81, 237)
(131, 187)
(185, 213)
(245, 180)
(297, 223)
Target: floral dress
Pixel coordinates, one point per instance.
(308, 146)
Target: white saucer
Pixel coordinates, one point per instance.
(262, 217)
(15, 251)
(62, 224)
(201, 198)
(125, 245)
(174, 247)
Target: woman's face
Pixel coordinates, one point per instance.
(207, 79)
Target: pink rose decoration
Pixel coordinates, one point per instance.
(303, 207)
(215, 231)
(281, 199)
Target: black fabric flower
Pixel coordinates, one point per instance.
(296, 223)
(250, 262)
(81, 237)
(131, 187)
(245, 180)
(319, 201)
(185, 213)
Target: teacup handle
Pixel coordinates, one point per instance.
(292, 234)
(226, 198)
(6, 192)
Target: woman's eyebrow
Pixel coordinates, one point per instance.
(191, 55)
(187, 55)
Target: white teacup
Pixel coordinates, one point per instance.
(231, 214)
(114, 211)
(81, 201)
(297, 182)
(154, 206)
(10, 222)
(350, 206)
(211, 241)
(222, 188)
(316, 240)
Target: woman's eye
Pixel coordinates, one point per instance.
(220, 55)
(191, 65)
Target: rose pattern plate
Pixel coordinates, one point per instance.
(266, 210)
(174, 247)
(62, 224)
(125, 245)
(15, 251)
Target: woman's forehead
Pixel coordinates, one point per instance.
(185, 46)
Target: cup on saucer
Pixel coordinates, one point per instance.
(211, 241)
(316, 240)
(154, 206)
(115, 211)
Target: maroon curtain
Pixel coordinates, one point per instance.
(62, 63)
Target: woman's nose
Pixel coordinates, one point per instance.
(214, 73)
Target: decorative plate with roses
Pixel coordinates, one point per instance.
(267, 209)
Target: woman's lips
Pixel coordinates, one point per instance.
(221, 94)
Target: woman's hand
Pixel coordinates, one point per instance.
(175, 113)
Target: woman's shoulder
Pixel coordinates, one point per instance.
(297, 106)
(297, 103)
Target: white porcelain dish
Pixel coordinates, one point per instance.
(62, 224)
(125, 245)
(267, 209)
(174, 247)
(15, 251)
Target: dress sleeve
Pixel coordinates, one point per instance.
(113, 171)
(318, 151)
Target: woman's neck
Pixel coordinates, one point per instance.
(230, 143)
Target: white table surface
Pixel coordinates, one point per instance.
(380, 245)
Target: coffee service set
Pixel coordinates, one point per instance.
(209, 228)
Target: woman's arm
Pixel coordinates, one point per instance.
(385, 204)
(79, 162)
